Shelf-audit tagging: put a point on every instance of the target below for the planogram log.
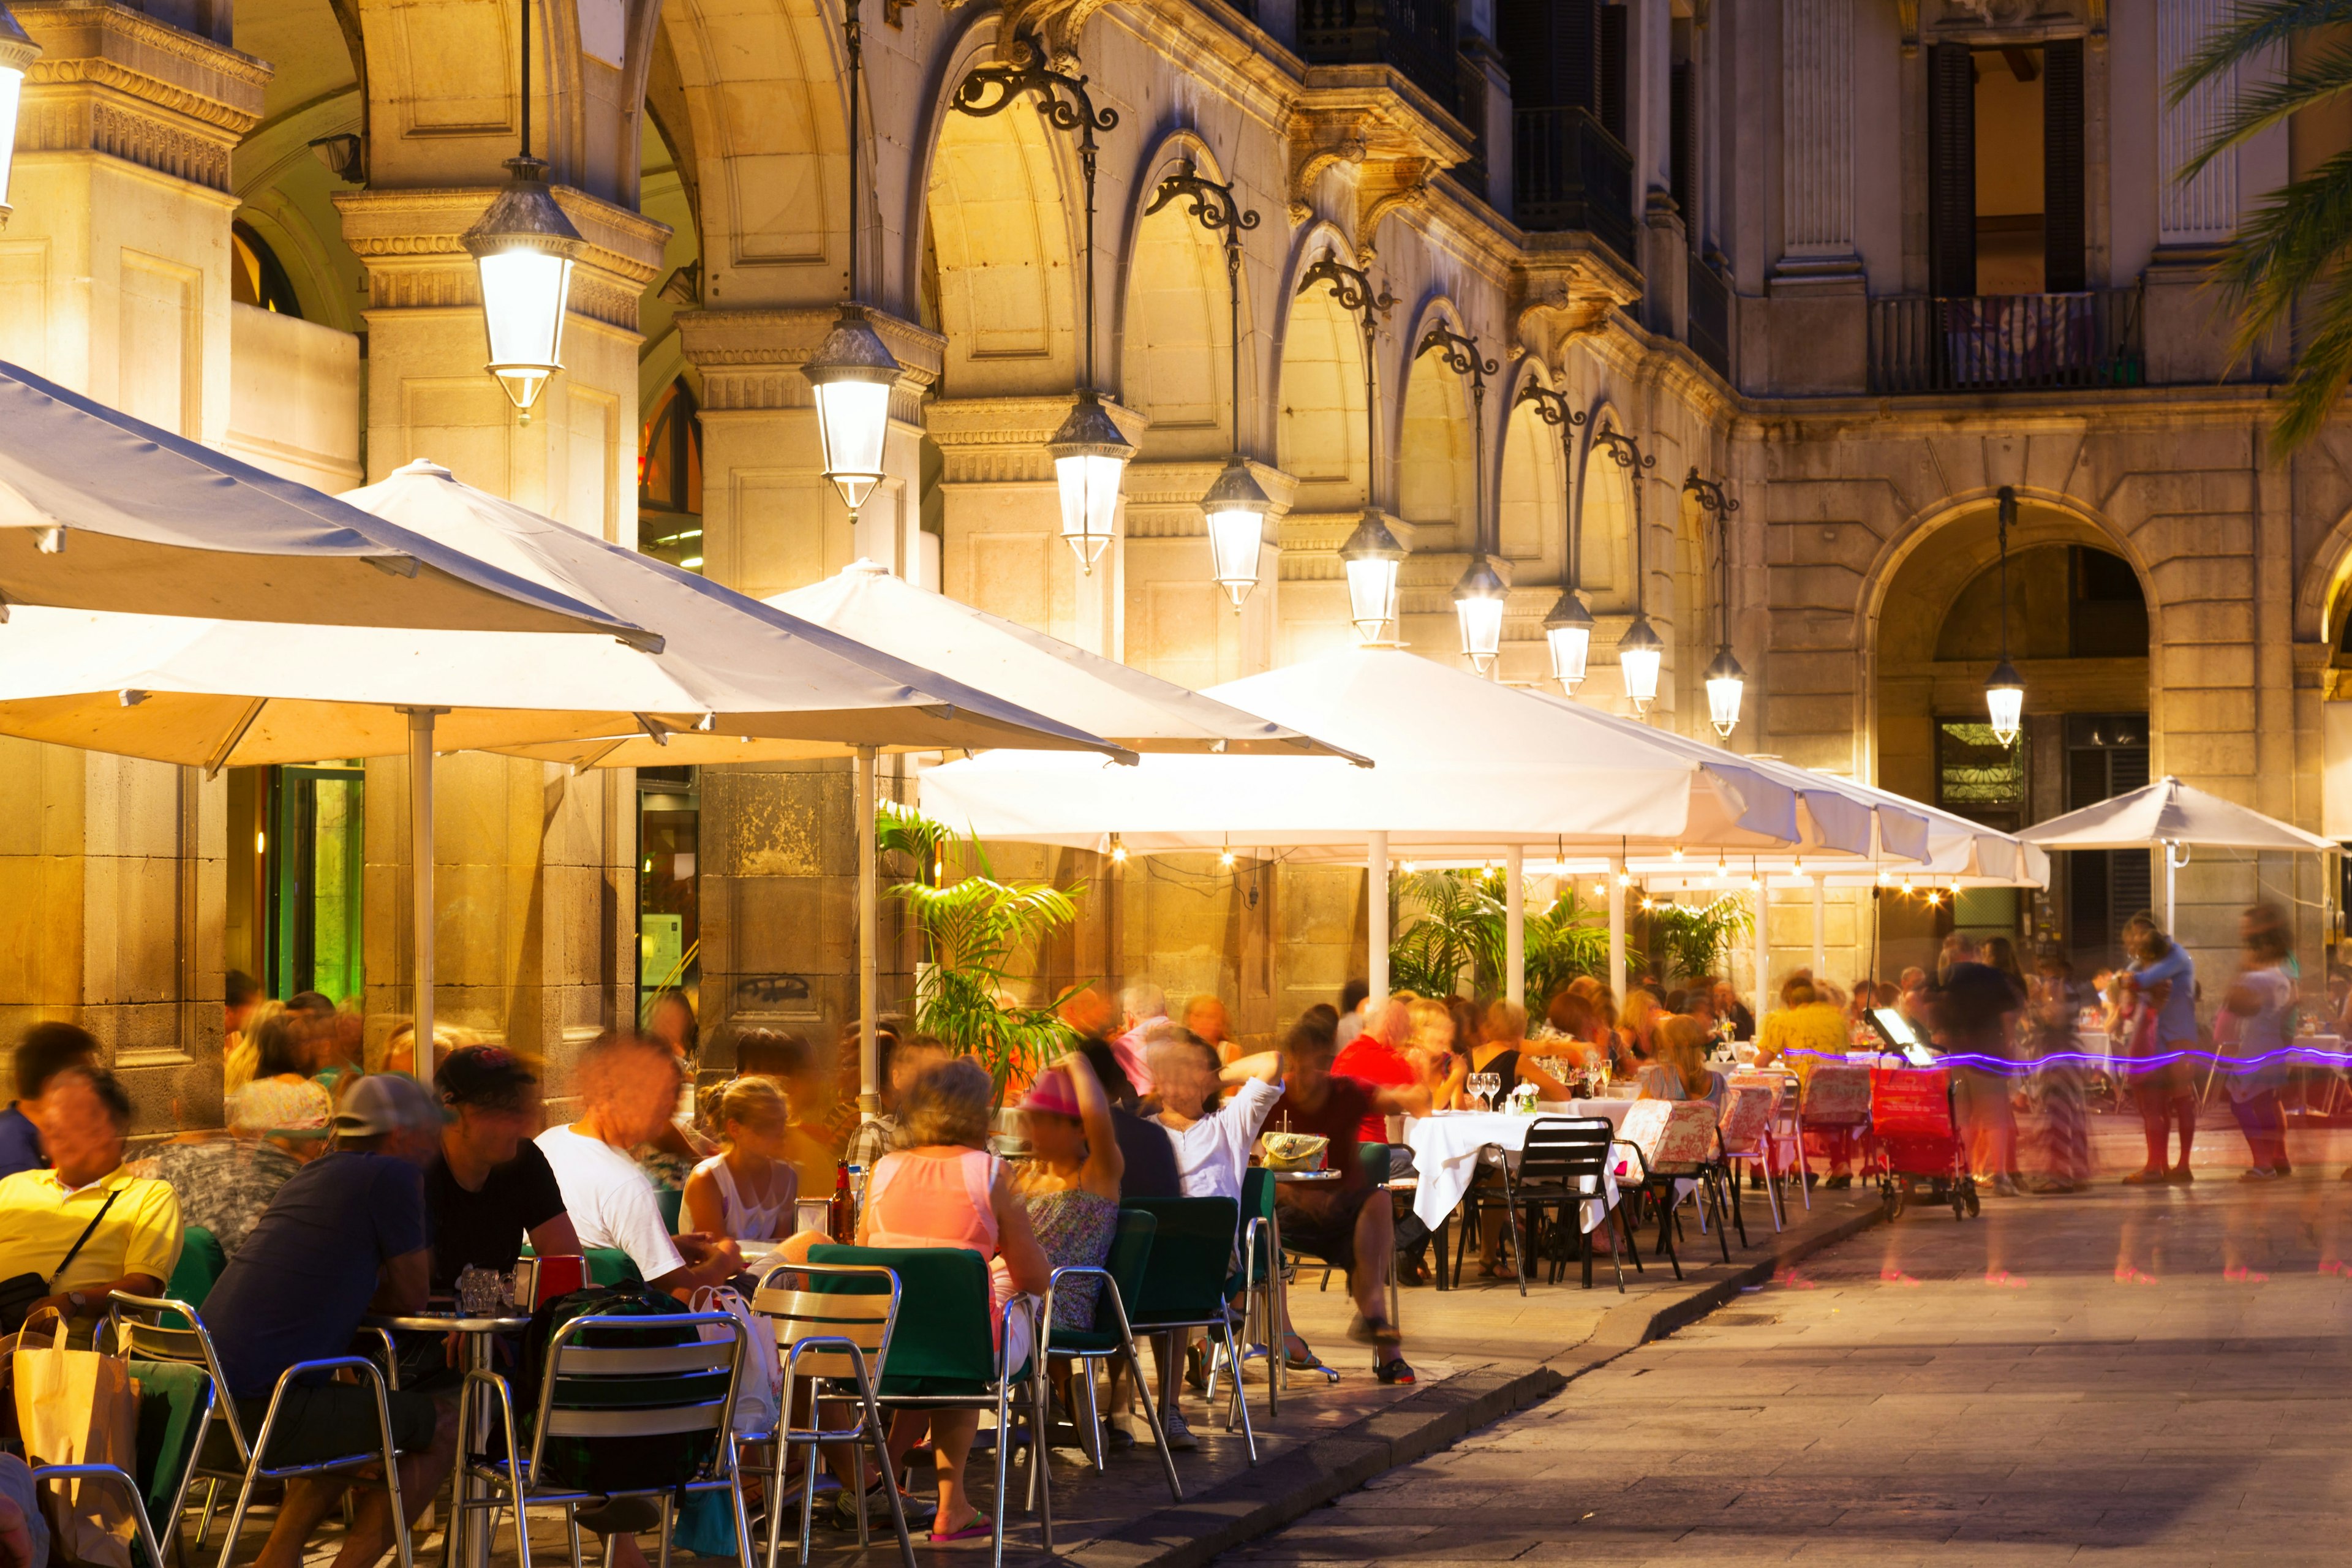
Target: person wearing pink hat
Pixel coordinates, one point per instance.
(1071, 1186)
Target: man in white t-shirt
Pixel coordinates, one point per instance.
(1213, 1147)
(629, 1091)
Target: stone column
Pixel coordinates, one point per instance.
(770, 519)
(1819, 321)
(114, 280)
(1002, 548)
(534, 866)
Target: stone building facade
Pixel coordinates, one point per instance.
(1864, 261)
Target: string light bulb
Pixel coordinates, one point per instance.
(1935, 899)
(1647, 905)
(1678, 854)
(1118, 851)
(1225, 859)
(1624, 879)
(1907, 884)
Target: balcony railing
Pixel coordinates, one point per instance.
(2007, 342)
(1416, 37)
(1707, 298)
(1570, 172)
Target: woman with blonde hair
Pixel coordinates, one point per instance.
(1637, 1023)
(748, 1191)
(1440, 1053)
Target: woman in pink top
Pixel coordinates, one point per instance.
(942, 1187)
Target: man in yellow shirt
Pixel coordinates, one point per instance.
(84, 1118)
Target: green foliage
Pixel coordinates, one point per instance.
(2296, 247)
(1447, 923)
(1693, 940)
(974, 930)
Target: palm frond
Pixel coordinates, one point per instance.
(2254, 28)
(2308, 84)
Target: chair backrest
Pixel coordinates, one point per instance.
(1191, 1255)
(602, 1390)
(1567, 1150)
(1689, 1140)
(141, 1328)
(1747, 1114)
(1838, 1095)
(948, 1347)
(176, 1404)
(858, 1302)
(202, 1260)
(1128, 1259)
(671, 1201)
(1644, 1125)
(610, 1265)
(1376, 1159)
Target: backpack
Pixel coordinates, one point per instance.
(635, 1462)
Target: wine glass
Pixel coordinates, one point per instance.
(1485, 1085)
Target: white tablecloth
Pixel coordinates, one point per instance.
(1445, 1149)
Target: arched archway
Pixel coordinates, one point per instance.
(1176, 327)
(1437, 474)
(1320, 439)
(2078, 633)
(998, 269)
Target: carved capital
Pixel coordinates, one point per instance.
(412, 244)
(1370, 118)
(113, 81)
(753, 359)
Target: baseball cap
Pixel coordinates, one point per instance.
(485, 1075)
(387, 1102)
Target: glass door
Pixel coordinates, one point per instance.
(313, 858)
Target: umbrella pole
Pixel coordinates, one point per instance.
(1617, 928)
(2170, 869)
(1820, 937)
(1515, 924)
(869, 1088)
(1763, 953)
(420, 853)
(1376, 865)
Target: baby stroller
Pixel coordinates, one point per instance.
(1917, 1146)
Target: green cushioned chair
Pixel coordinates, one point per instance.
(945, 1357)
(672, 1202)
(202, 1260)
(1184, 1282)
(1110, 1338)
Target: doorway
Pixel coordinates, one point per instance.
(669, 935)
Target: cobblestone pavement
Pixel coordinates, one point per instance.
(2146, 1376)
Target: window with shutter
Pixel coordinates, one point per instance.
(1611, 107)
(2061, 167)
(1951, 171)
(1682, 147)
(1553, 49)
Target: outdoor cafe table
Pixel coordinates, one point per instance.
(1446, 1146)
(467, 1545)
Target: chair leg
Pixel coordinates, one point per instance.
(1082, 1373)
(735, 1495)
(1151, 1416)
(522, 1532)
(572, 1529)
(1511, 1221)
(237, 1515)
(808, 1502)
(889, 1474)
(212, 1501)
(668, 1509)
(1249, 1437)
(1003, 1449)
(1041, 1474)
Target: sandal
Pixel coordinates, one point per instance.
(980, 1531)
(1507, 1271)
(1301, 1361)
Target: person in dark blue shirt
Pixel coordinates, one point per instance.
(48, 1049)
(345, 1235)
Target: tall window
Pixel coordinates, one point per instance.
(669, 935)
(2005, 169)
(669, 481)
(312, 855)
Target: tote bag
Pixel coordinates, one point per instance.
(77, 1407)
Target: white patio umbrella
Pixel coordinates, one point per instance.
(2173, 817)
(225, 693)
(1463, 766)
(102, 512)
(1101, 696)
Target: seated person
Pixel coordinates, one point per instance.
(24, 1528)
(47, 1050)
(488, 1185)
(345, 1236)
(1502, 1050)
(899, 1062)
(1680, 1071)
(1348, 1222)
(942, 1187)
(225, 1181)
(748, 1190)
(1213, 1141)
(133, 1244)
(628, 1093)
(1148, 1160)
(1377, 1054)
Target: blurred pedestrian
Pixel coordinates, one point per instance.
(1206, 1016)
(2261, 1004)
(47, 1050)
(2052, 1008)
(2162, 985)
(1976, 1010)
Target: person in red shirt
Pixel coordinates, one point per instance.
(1347, 1222)
(1377, 1056)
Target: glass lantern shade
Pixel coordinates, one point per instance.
(2005, 702)
(1374, 559)
(1090, 458)
(1568, 631)
(525, 249)
(1237, 508)
(1479, 599)
(1639, 654)
(17, 53)
(851, 372)
(1724, 682)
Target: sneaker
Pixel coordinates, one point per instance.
(1393, 1370)
(1180, 1436)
